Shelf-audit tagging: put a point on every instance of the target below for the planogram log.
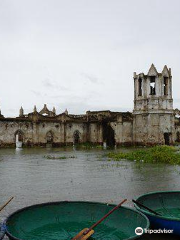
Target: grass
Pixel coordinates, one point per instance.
(58, 157)
(157, 154)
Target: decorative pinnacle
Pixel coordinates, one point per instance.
(170, 71)
(35, 109)
(54, 110)
(21, 111)
(66, 111)
(45, 105)
(152, 71)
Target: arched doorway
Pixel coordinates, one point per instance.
(167, 138)
(19, 138)
(49, 137)
(76, 137)
(108, 135)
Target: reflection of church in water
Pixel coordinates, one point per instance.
(153, 120)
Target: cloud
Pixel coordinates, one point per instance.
(47, 83)
(67, 49)
(36, 93)
(90, 77)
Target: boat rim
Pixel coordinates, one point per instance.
(2, 230)
(59, 202)
(152, 214)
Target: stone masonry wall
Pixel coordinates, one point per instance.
(35, 133)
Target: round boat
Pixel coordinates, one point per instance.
(63, 220)
(167, 204)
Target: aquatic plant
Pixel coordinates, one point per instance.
(157, 154)
(88, 145)
(58, 157)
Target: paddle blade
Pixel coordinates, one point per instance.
(86, 236)
(82, 235)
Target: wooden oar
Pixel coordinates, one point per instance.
(3, 206)
(87, 232)
(142, 206)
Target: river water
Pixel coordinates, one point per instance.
(84, 175)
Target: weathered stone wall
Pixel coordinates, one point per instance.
(153, 115)
(95, 133)
(8, 130)
(123, 132)
(149, 129)
(145, 129)
(70, 129)
(35, 133)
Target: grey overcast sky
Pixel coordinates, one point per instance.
(81, 54)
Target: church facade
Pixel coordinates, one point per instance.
(153, 120)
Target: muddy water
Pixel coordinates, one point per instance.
(88, 176)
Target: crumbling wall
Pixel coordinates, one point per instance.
(123, 132)
(71, 128)
(150, 129)
(35, 133)
(8, 130)
(95, 133)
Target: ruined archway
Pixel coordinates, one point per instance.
(49, 137)
(19, 136)
(108, 135)
(76, 137)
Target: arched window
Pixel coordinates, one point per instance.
(49, 137)
(152, 86)
(139, 87)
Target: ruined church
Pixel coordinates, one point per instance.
(153, 120)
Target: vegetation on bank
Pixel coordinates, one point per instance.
(157, 154)
(58, 157)
(88, 145)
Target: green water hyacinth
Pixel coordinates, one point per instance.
(157, 154)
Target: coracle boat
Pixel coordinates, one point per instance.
(63, 220)
(2, 231)
(167, 207)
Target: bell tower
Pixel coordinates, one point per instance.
(153, 107)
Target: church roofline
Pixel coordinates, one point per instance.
(153, 72)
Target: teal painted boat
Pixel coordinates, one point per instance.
(167, 204)
(63, 220)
